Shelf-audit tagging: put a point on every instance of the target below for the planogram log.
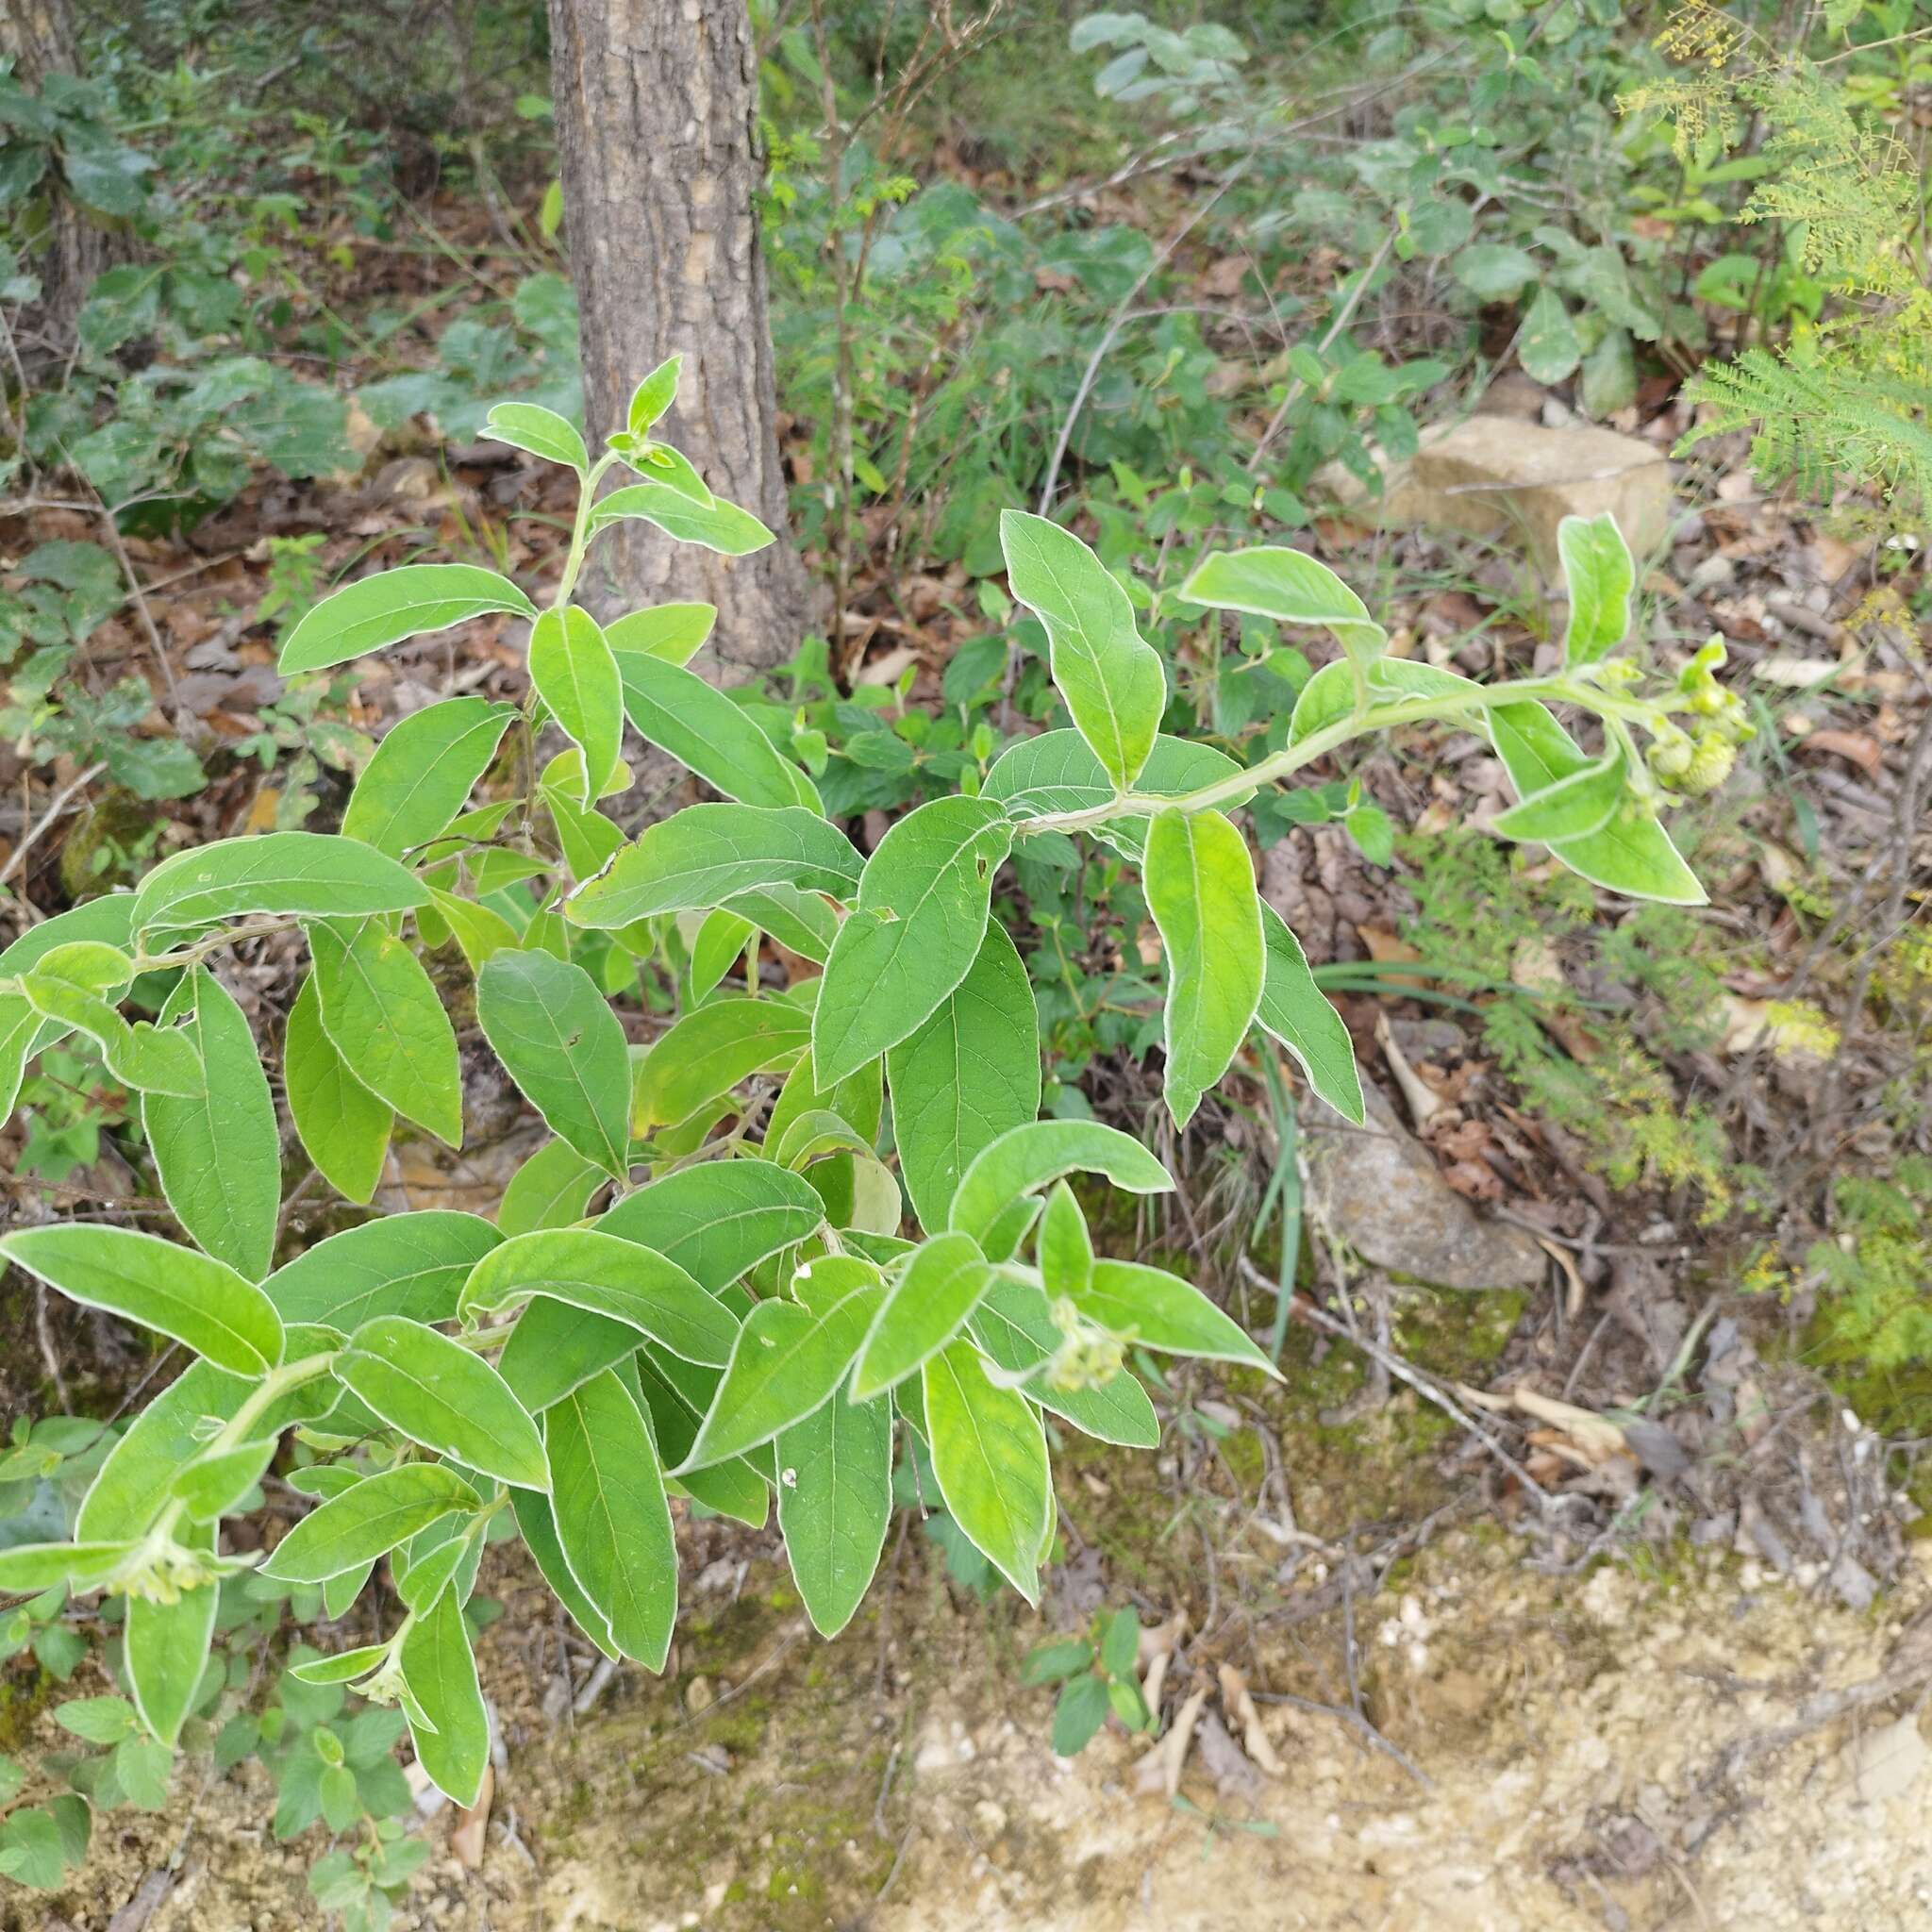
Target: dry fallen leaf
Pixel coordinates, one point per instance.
(1238, 1704)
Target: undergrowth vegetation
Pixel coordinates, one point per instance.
(1084, 335)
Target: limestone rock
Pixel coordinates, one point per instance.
(1376, 1189)
(1501, 477)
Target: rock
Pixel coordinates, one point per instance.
(1376, 1189)
(1499, 476)
(1888, 1762)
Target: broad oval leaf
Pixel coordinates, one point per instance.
(305, 872)
(706, 731)
(368, 1520)
(654, 395)
(441, 1672)
(1161, 1312)
(1600, 575)
(1573, 808)
(344, 1127)
(607, 1275)
(439, 1394)
(197, 1300)
(423, 769)
(542, 431)
(1200, 885)
(219, 1155)
(561, 1043)
(988, 1454)
(537, 1526)
(706, 854)
(834, 1499)
(720, 1220)
(552, 1189)
(613, 1523)
(708, 1052)
(922, 913)
(394, 605)
(386, 1020)
(556, 1348)
(784, 1363)
(965, 1076)
(923, 1311)
(411, 1265)
(1034, 1156)
(721, 526)
(1290, 587)
(1298, 1013)
(576, 675)
(164, 1650)
(1632, 853)
(675, 632)
(1109, 676)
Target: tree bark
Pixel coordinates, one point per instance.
(656, 103)
(77, 245)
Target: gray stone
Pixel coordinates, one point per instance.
(1375, 1190)
(1508, 480)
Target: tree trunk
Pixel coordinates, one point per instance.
(656, 103)
(78, 246)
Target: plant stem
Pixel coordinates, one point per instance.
(580, 530)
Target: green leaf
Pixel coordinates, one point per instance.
(368, 1520)
(213, 1486)
(1291, 588)
(423, 772)
(1573, 808)
(1080, 1712)
(607, 1275)
(219, 1157)
(143, 1056)
(537, 1526)
(1034, 1156)
(708, 1052)
(1632, 853)
(989, 1455)
(1493, 270)
(654, 395)
(942, 1283)
(1200, 886)
(165, 1651)
(1014, 1325)
(1296, 1011)
(920, 916)
(1109, 676)
(552, 1189)
(1120, 1649)
(556, 1348)
(1600, 575)
(706, 730)
(394, 605)
(542, 431)
(613, 1519)
(343, 1126)
(345, 1665)
(26, 1569)
(700, 857)
(1548, 347)
(411, 1265)
(561, 1043)
(1064, 1249)
(575, 675)
(675, 632)
(305, 872)
(1162, 1312)
(721, 526)
(719, 1220)
(784, 1363)
(965, 1075)
(96, 1720)
(1056, 772)
(835, 1498)
(441, 1673)
(439, 1394)
(386, 1020)
(193, 1298)
(1057, 1660)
